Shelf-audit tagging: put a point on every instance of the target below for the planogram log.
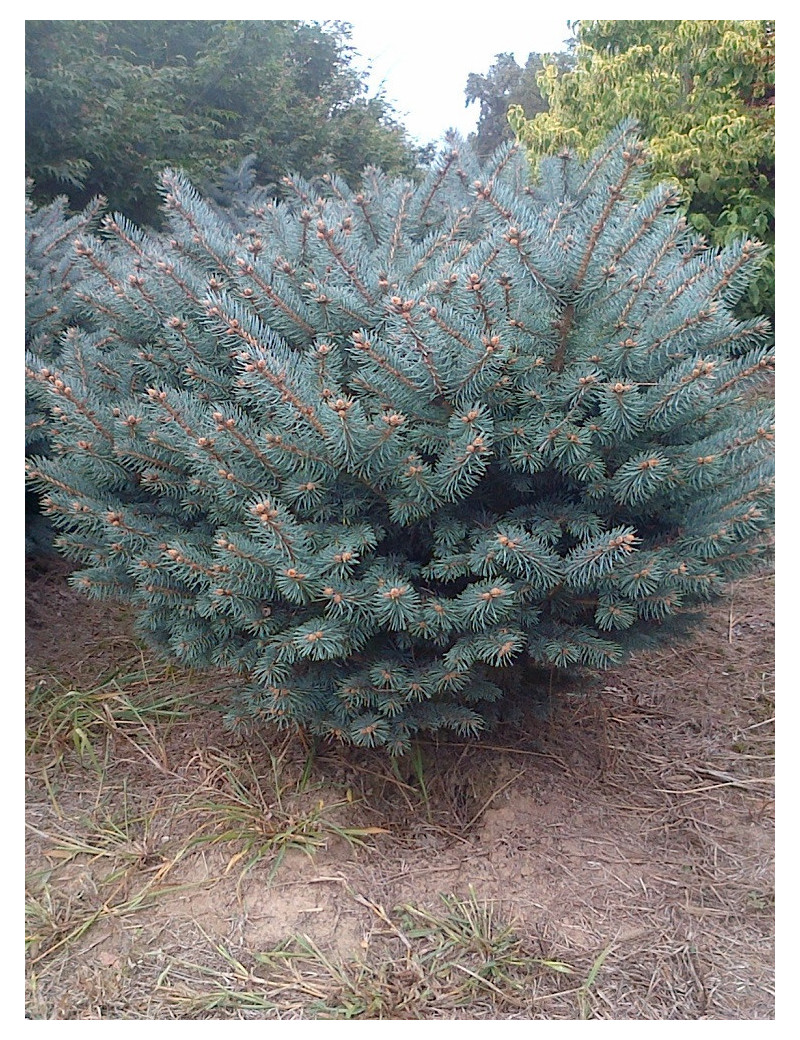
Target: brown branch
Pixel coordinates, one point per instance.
(171, 202)
(60, 388)
(260, 367)
(598, 163)
(687, 323)
(762, 328)
(248, 269)
(632, 159)
(762, 365)
(362, 344)
(454, 333)
(229, 426)
(169, 270)
(325, 234)
(443, 240)
(647, 223)
(564, 327)
(451, 158)
(515, 238)
(59, 485)
(403, 307)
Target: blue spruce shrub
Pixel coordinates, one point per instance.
(382, 449)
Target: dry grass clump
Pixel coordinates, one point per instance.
(614, 860)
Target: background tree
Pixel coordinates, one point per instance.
(111, 103)
(703, 93)
(506, 84)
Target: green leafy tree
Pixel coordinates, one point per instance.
(388, 450)
(507, 85)
(703, 93)
(110, 103)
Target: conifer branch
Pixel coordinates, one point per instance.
(213, 573)
(646, 277)
(360, 201)
(632, 159)
(172, 203)
(111, 225)
(167, 591)
(448, 237)
(669, 199)
(179, 327)
(758, 331)
(702, 370)
(491, 346)
(277, 442)
(489, 261)
(87, 218)
(485, 193)
(396, 237)
(159, 398)
(169, 270)
(250, 271)
(761, 436)
(686, 283)
(271, 517)
(749, 250)
(86, 251)
(607, 150)
(433, 312)
(475, 285)
(763, 365)
(305, 223)
(229, 426)
(148, 460)
(449, 160)
(362, 344)
(404, 309)
(511, 152)
(504, 281)
(35, 473)
(325, 234)
(515, 238)
(693, 320)
(261, 369)
(58, 387)
(563, 327)
(78, 355)
(104, 309)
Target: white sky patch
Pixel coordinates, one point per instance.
(422, 65)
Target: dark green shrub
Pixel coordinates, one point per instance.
(109, 104)
(383, 448)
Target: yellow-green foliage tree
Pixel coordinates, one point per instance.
(703, 93)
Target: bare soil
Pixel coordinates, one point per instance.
(614, 860)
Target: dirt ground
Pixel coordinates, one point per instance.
(613, 861)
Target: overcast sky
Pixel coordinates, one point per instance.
(423, 65)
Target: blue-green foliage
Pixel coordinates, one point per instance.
(380, 448)
(52, 301)
(52, 308)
